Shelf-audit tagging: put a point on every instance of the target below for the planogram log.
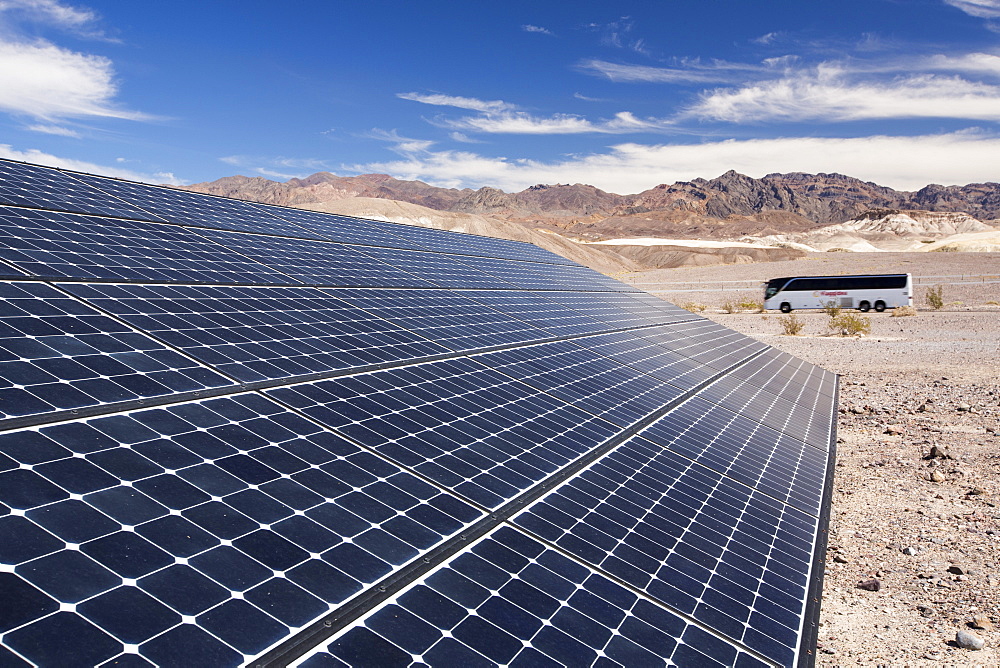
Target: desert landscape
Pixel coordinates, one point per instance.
(915, 498)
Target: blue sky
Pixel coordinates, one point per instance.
(622, 95)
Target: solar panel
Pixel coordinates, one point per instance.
(257, 333)
(51, 244)
(240, 434)
(461, 424)
(43, 188)
(187, 208)
(317, 262)
(57, 354)
(198, 533)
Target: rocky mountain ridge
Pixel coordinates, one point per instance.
(729, 206)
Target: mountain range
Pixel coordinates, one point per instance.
(728, 207)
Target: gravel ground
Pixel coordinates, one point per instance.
(925, 527)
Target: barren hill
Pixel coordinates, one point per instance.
(729, 206)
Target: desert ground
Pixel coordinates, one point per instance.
(916, 494)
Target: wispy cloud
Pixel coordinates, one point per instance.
(983, 9)
(828, 95)
(78, 20)
(906, 163)
(557, 124)
(41, 158)
(690, 71)
(769, 38)
(470, 103)
(57, 130)
(537, 29)
(276, 167)
(619, 34)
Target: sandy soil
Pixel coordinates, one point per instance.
(926, 527)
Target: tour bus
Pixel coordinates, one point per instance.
(865, 292)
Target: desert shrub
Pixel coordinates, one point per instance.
(791, 324)
(950, 248)
(935, 297)
(992, 303)
(832, 308)
(730, 307)
(903, 311)
(850, 324)
(751, 305)
(694, 307)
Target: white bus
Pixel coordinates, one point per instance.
(866, 292)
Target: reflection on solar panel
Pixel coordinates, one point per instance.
(241, 434)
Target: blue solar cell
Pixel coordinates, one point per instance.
(471, 429)
(510, 600)
(64, 245)
(162, 556)
(317, 262)
(450, 318)
(57, 353)
(44, 188)
(617, 309)
(255, 333)
(447, 271)
(537, 276)
(694, 540)
(183, 207)
(585, 379)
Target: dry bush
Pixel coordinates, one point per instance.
(903, 311)
(791, 324)
(694, 307)
(730, 307)
(751, 305)
(832, 308)
(849, 324)
(935, 297)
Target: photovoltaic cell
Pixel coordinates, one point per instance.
(199, 533)
(188, 208)
(43, 188)
(50, 244)
(533, 307)
(585, 379)
(657, 359)
(510, 600)
(618, 309)
(706, 343)
(535, 276)
(745, 450)
(58, 354)
(317, 262)
(343, 229)
(447, 271)
(447, 317)
(692, 539)
(258, 333)
(469, 428)
(796, 418)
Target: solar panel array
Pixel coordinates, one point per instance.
(241, 434)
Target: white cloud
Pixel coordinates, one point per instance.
(538, 29)
(57, 130)
(557, 124)
(456, 101)
(828, 95)
(690, 72)
(905, 163)
(48, 82)
(769, 38)
(40, 158)
(984, 9)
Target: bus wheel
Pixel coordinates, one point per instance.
(865, 306)
(786, 307)
(880, 306)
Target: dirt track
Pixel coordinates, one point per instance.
(928, 529)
